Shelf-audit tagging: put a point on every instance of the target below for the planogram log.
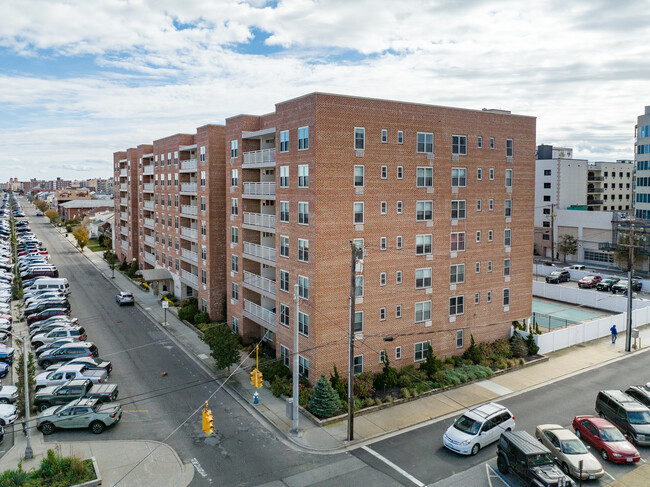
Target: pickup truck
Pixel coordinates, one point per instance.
(68, 373)
(91, 362)
(75, 389)
(80, 413)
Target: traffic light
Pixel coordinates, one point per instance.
(207, 426)
(259, 380)
(256, 378)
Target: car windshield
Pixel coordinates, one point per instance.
(467, 425)
(573, 447)
(540, 459)
(611, 434)
(555, 273)
(638, 417)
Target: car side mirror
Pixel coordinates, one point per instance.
(482, 433)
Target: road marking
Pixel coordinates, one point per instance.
(198, 467)
(489, 467)
(642, 460)
(203, 356)
(494, 387)
(135, 410)
(607, 473)
(393, 466)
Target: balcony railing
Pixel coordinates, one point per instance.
(189, 277)
(258, 313)
(148, 169)
(148, 204)
(148, 187)
(150, 258)
(260, 220)
(259, 282)
(123, 201)
(259, 157)
(256, 250)
(192, 233)
(594, 202)
(188, 187)
(149, 240)
(123, 187)
(189, 210)
(595, 178)
(123, 173)
(124, 244)
(595, 190)
(259, 189)
(148, 222)
(190, 255)
(188, 165)
(124, 215)
(124, 231)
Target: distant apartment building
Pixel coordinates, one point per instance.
(125, 200)
(440, 199)
(642, 164)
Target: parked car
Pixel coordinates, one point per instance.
(576, 267)
(557, 277)
(640, 393)
(74, 332)
(68, 373)
(75, 389)
(589, 281)
(569, 452)
(68, 352)
(48, 313)
(606, 284)
(80, 413)
(627, 414)
(621, 286)
(90, 362)
(6, 354)
(519, 453)
(477, 428)
(4, 369)
(606, 439)
(125, 298)
(49, 347)
(8, 394)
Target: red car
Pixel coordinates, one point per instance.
(48, 313)
(611, 444)
(589, 281)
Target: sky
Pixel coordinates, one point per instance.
(82, 79)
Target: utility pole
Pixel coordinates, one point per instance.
(29, 453)
(552, 232)
(628, 327)
(296, 302)
(353, 263)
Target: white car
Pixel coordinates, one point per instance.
(8, 394)
(8, 414)
(477, 428)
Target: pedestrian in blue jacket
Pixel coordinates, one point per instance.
(614, 333)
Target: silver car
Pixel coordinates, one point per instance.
(569, 451)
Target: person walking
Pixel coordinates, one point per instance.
(614, 333)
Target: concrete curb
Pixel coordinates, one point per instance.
(92, 483)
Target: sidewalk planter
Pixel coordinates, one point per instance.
(92, 483)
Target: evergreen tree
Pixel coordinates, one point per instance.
(324, 401)
(224, 345)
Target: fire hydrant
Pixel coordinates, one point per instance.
(256, 398)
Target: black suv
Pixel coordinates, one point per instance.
(606, 284)
(67, 352)
(521, 453)
(556, 277)
(621, 286)
(626, 413)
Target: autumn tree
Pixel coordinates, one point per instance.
(53, 215)
(81, 236)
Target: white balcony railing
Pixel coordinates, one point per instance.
(148, 187)
(123, 187)
(150, 258)
(124, 244)
(124, 215)
(148, 204)
(260, 220)
(259, 156)
(124, 231)
(149, 240)
(188, 276)
(148, 222)
(260, 251)
(192, 233)
(259, 282)
(188, 187)
(263, 314)
(189, 210)
(259, 189)
(148, 169)
(188, 165)
(190, 255)
(123, 173)
(123, 201)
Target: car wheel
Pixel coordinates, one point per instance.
(475, 449)
(2, 423)
(600, 413)
(565, 469)
(4, 400)
(502, 465)
(578, 434)
(508, 429)
(97, 427)
(46, 364)
(37, 345)
(47, 428)
(38, 388)
(43, 406)
(604, 455)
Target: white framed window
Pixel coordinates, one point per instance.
(234, 206)
(201, 154)
(234, 264)
(398, 311)
(491, 142)
(303, 213)
(303, 250)
(479, 142)
(234, 177)
(400, 137)
(459, 145)
(421, 351)
(235, 291)
(358, 364)
(423, 244)
(285, 355)
(303, 367)
(490, 235)
(422, 311)
(424, 177)
(359, 138)
(284, 211)
(478, 205)
(303, 176)
(506, 267)
(508, 178)
(384, 207)
(477, 298)
(510, 147)
(202, 178)
(458, 210)
(303, 287)
(303, 138)
(358, 286)
(398, 243)
(234, 235)
(489, 296)
(508, 208)
(506, 297)
(491, 174)
(204, 251)
(400, 207)
(424, 211)
(303, 323)
(382, 356)
(507, 237)
(235, 324)
(398, 277)
(459, 339)
(284, 314)
(457, 274)
(491, 205)
(478, 236)
(382, 243)
(358, 322)
(284, 246)
(359, 173)
(284, 176)
(400, 172)
(457, 240)
(284, 141)
(477, 267)
(479, 173)
(382, 314)
(382, 279)
(284, 281)
(489, 266)
(176, 158)
(203, 207)
(398, 353)
(384, 172)
(458, 177)
(234, 148)
(423, 278)
(456, 305)
(358, 213)
(425, 142)
(384, 136)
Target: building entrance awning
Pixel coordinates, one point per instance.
(155, 274)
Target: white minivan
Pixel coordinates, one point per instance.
(60, 284)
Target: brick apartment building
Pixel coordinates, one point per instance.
(441, 199)
(125, 231)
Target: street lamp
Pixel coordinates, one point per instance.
(29, 453)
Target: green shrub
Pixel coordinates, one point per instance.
(409, 375)
(357, 404)
(473, 353)
(201, 318)
(388, 399)
(387, 378)
(338, 383)
(368, 402)
(522, 361)
(501, 348)
(281, 386)
(431, 365)
(363, 385)
(413, 391)
(378, 401)
(405, 393)
(531, 345)
(188, 313)
(422, 387)
(518, 346)
(304, 393)
(324, 401)
(272, 368)
(450, 361)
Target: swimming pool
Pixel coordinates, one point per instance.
(550, 315)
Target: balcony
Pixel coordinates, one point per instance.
(123, 202)
(124, 244)
(189, 210)
(259, 158)
(189, 233)
(594, 202)
(148, 239)
(124, 215)
(150, 258)
(259, 315)
(148, 205)
(124, 231)
(123, 187)
(188, 165)
(188, 188)
(257, 251)
(148, 187)
(190, 256)
(591, 189)
(123, 173)
(595, 178)
(148, 222)
(189, 277)
(148, 169)
(263, 222)
(259, 284)
(259, 190)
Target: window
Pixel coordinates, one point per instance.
(234, 177)
(284, 281)
(489, 296)
(204, 252)
(423, 278)
(384, 136)
(459, 145)
(489, 266)
(303, 250)
(421, 351)
(477, 267)
(424, 177)
(457, 274)
(384, 172)
(548, 197)
(458, 177)
(399, 242)
(358, 364)
(425, 142)
(202, 207)
(284, 141)
(398, 353)
(382, 356)
(382, 279)
(234, 265)
(235, 324)
(382, 314)
(384, 207)
(234, 235)
(284, 176)
(400, 172)
(303, 138)
(203, 274)
(358, 213)
(303, 287)
(547, 172)
(479, 173)
(508, 178)
(424, 211)
(285, 355)
(359, 138)
(202, 154)
(303, 367)
(458, 210)
(478, 236)
(456, 305)
(400, 137)
(510, 148)
(204, 230)
(506, 267)
(477, 298)
(507, 237)
(400, 207)
(358, 322)
(359, 176)
(491, 205)
(546, 236)
(423, 244)
(235, 291)
(422, 311)
(398, 311)
(303, 323)
(506, 297)
(358, 286)
(303, 176)
(547, 185)
(491, 142)
(284, 211)
(491, 174)
(479, 142)
(398, 277)
(459, 338)
(234, 144)
(234, 206)
(508, 208)
(284, 246)
(478, 205)
(382, 243)
(303, 213)
(457, 241)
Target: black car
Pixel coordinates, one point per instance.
(67, 352)
(556, 277)
(606, 284)
(640, 393)
(626, 413)
(621, 286)
(520, 453)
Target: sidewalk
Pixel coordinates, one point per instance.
(332, 438)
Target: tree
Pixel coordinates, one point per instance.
(324, 401)
(41, 205)
(53, 215)
(81, 235)
(622, 251)
(20, 380)
(111, 258)
(567, 245)
(224, 345)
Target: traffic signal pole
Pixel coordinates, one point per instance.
(296, 372)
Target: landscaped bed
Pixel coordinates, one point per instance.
(54, 471)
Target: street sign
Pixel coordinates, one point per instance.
(165, 304)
